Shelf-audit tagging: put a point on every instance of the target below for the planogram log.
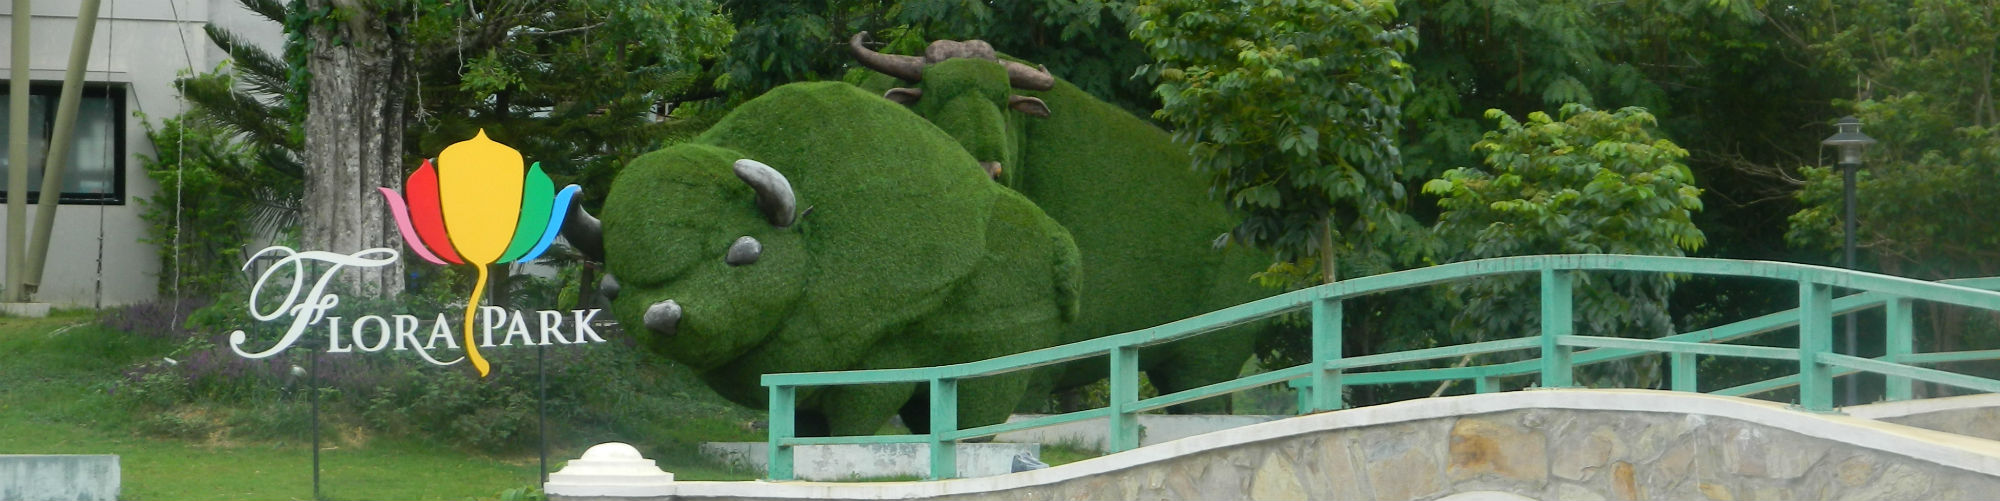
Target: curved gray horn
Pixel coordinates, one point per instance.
(774, 193)
(905, 67)
(663, 317)
(1023, 77)
(584, 232)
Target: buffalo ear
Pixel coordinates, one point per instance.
(1029, 105)
(903, 95)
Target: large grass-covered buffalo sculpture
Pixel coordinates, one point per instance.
(819, 227)
(1141, 216)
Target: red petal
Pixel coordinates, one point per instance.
(427, 214)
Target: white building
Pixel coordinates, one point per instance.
(96, 257)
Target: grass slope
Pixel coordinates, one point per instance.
(58, 377)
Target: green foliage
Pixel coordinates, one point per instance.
(1709, 69)
(1927, 71)
(212, 199)
(1595, 183)
(1292, 109)
(1735, 82)
(1924, 86)
(577, 81)
(579, 86)
(258, 97)
(1085, 41)
(523, 494)
(582, 86)
(61, 390)
(592, 390)
(977, 271)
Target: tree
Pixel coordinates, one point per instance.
(1735, 82)
(354, 125)
(253, 100)
(1594, 182)
(1926, 77)
(581, 86)
(578, 85)
(1292, 108)
(1925, 86)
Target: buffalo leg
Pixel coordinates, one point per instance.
(863, 409)
(807, 423)
(1197, 362)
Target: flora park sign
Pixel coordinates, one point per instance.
(475, 207)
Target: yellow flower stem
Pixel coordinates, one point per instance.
(471, 306)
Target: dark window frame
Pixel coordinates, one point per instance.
(117, 94)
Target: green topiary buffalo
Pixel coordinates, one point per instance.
(1149, 234)
(819, 227)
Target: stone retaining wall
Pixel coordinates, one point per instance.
(1550, 444)
(1541, 454)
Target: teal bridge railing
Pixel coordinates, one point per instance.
(1321, 380)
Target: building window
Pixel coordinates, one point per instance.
(95, 172)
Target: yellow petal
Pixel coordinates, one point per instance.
(479, 187)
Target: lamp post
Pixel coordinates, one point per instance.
(1851, 143)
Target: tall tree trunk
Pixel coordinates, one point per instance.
(354, 139)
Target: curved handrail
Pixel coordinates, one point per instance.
(1818, 365)
(1290, 301)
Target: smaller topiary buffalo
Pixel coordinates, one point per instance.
(820, 227)
(1142, 218)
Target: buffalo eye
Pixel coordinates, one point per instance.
(746, 250)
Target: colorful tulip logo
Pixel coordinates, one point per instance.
(477, 207)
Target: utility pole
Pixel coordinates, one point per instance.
(17, 152)
(63, 140)
(24, 270)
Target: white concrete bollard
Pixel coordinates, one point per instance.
(610, 469)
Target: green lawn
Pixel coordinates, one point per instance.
(57, 373)
(59, 383)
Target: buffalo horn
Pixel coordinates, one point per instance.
(909, 68)
(774, 193)
(1023, 77)
(584, 232)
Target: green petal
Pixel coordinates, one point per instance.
(538, 196)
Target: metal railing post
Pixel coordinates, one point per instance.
(1303, 393)
(782, 416)
(1485, 384)
(1815, 338)
(1125, 392)
(944, 419)
(1326, 386)
(1683, 368)
(1896, 343)
(1558, 319)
